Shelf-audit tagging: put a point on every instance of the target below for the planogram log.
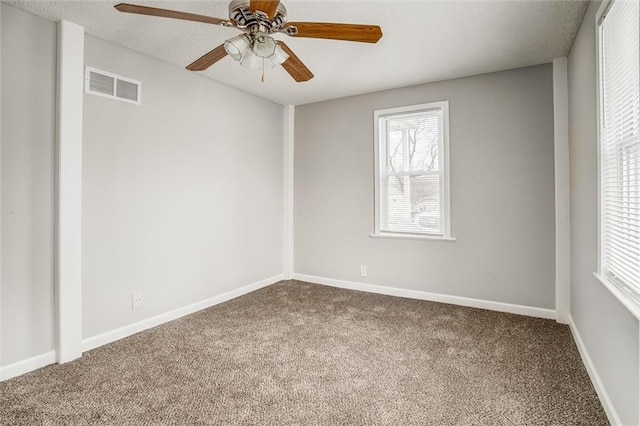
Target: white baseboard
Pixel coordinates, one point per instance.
(612, 415)
(40, 361)
(433, 297)
(26, 365)
(128, 330)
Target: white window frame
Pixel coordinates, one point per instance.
(444, 170)
(623, 297)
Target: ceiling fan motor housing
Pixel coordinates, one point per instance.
(240, 14)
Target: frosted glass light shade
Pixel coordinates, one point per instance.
(237, 46)
(263, 45)
(251, 61)
(279, 56)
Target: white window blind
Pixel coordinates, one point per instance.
(411, 170)
(620, 147)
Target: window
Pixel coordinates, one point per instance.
(412, 171)
(619, 139)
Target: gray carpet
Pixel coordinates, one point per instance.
(305, 354)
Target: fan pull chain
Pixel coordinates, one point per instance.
(262, 78)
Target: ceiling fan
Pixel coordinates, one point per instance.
(259, 20)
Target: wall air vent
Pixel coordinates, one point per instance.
(113, 86)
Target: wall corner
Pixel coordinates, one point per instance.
(562, 188)
(288, 172)
(68, 233)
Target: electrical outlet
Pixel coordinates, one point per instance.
(363, 270)
(136, 300)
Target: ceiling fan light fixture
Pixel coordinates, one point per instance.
(238, 46)
(253, 53)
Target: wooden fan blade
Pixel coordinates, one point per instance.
(348, 32)
(208, 59)
(294, 65)
(269, 7)
(174, 14)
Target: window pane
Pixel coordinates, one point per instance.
(424, 139)
(414, 204)
(413, 142)
(396, 153)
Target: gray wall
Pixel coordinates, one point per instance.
(608, 330)
(502, 191)
(182, 196)
(28, 136)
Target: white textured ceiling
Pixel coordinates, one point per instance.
(423, 41)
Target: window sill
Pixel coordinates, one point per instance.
(631, 305)
(411, 237)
